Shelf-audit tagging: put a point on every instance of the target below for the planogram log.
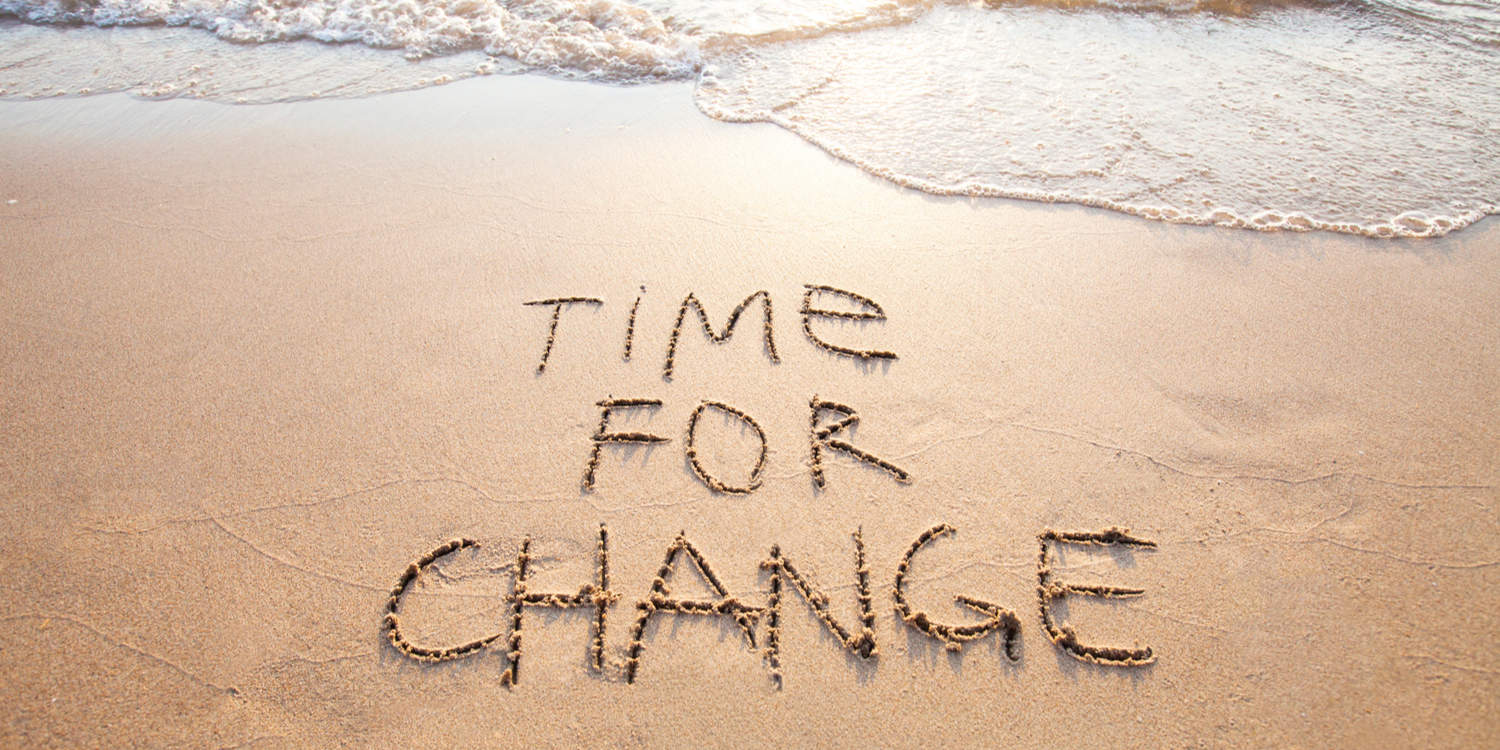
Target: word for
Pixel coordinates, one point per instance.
(858, 640)
(868, 310)
(820, 437)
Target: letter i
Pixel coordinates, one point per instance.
(630, 325)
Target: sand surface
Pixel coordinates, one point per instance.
(257, 360)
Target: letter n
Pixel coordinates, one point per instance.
(861, 643)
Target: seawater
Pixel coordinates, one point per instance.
(1374, 117)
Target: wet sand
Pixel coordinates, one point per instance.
(260, 359)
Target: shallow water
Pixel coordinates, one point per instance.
(1377, 117)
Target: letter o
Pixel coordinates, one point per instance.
(692, 451)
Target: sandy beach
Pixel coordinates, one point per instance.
(258, 360)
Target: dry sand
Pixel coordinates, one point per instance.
(259, 359)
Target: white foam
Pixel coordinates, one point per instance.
(604, 38)
(1294, 120)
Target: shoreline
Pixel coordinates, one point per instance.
(186, 63)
